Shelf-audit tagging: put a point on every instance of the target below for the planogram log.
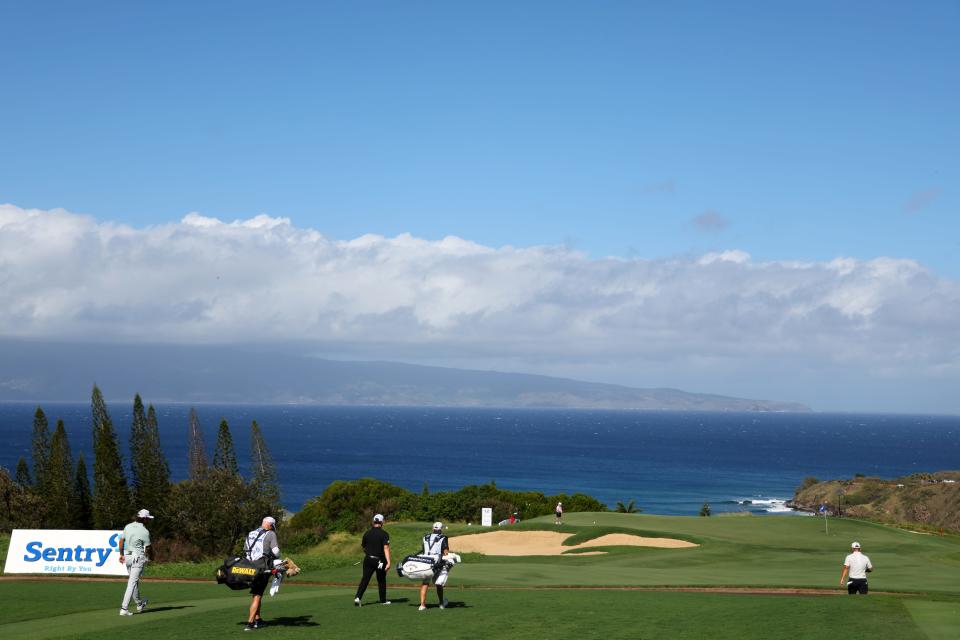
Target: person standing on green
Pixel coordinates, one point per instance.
(135, 552)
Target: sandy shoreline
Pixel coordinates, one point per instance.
(550, 543)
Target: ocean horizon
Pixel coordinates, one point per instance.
(668, 462)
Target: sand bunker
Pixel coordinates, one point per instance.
(550, 543)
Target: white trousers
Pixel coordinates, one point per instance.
(135, 564)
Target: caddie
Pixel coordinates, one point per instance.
(261, 544)
(435, 544)
(135, 552)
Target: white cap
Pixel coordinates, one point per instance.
(437, 526)
(378, 517)
(855, 545)
(143, 513)
(270, 520)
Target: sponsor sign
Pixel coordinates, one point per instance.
(62, 551)
(486, 517)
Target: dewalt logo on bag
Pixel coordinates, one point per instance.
(246, 571)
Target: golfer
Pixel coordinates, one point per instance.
(135, 552)
(261, 544)
(858, 565)
(435, 544)
(559, 513)
(376, 558)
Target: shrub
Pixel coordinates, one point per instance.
(304, 539)
(349, 505)
(346, 505)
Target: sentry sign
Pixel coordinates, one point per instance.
(62, 551)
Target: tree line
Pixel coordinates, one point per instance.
(205, 514)
(348, 505)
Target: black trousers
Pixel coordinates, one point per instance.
(857, 585)
(370, 564)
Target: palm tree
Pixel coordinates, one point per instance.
(630, 507)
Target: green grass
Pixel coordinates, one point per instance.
(764, 552)
(70, 609)
(915, 589)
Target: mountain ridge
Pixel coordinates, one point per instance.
(46, 371)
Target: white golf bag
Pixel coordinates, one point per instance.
(423, 567)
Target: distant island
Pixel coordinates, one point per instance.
(928, 501)
(45, 371)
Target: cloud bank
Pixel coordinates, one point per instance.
(263, 280)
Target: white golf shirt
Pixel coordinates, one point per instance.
(858, 563)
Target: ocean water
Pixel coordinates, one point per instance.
(668, 462)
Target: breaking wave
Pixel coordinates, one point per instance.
(766, 505)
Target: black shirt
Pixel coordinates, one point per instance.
(374, 540)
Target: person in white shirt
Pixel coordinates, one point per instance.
(856, 565)
(435, 544)
(261, 544)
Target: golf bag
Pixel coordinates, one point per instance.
(417, 567)
(422, 567)
(239, 572)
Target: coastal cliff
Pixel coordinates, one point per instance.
(927, 501)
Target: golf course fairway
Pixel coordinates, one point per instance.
(747, 577)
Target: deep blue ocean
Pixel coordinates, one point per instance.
(668, 462)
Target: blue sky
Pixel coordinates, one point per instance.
(808, 128)
(789, 132)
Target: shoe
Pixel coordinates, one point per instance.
(142, 605)
(248, 627)
(259, 623)
(124, 612)
(444, 604)
(422, 608)
(385, 602)
(356, 602)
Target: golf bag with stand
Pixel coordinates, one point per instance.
(422, 567)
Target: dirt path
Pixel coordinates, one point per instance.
(766, 591)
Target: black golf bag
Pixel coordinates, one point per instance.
(238, 572)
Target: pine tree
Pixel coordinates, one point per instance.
(101, 416)
(40, 449)
(263, 481)
(23, 474)
(111, 496)
(149, 468)
(224, 455)
(83, 512)
(196, 452)
(59, 496)
(138, 445)
(155, 480)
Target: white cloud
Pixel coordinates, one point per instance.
(264, 280)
